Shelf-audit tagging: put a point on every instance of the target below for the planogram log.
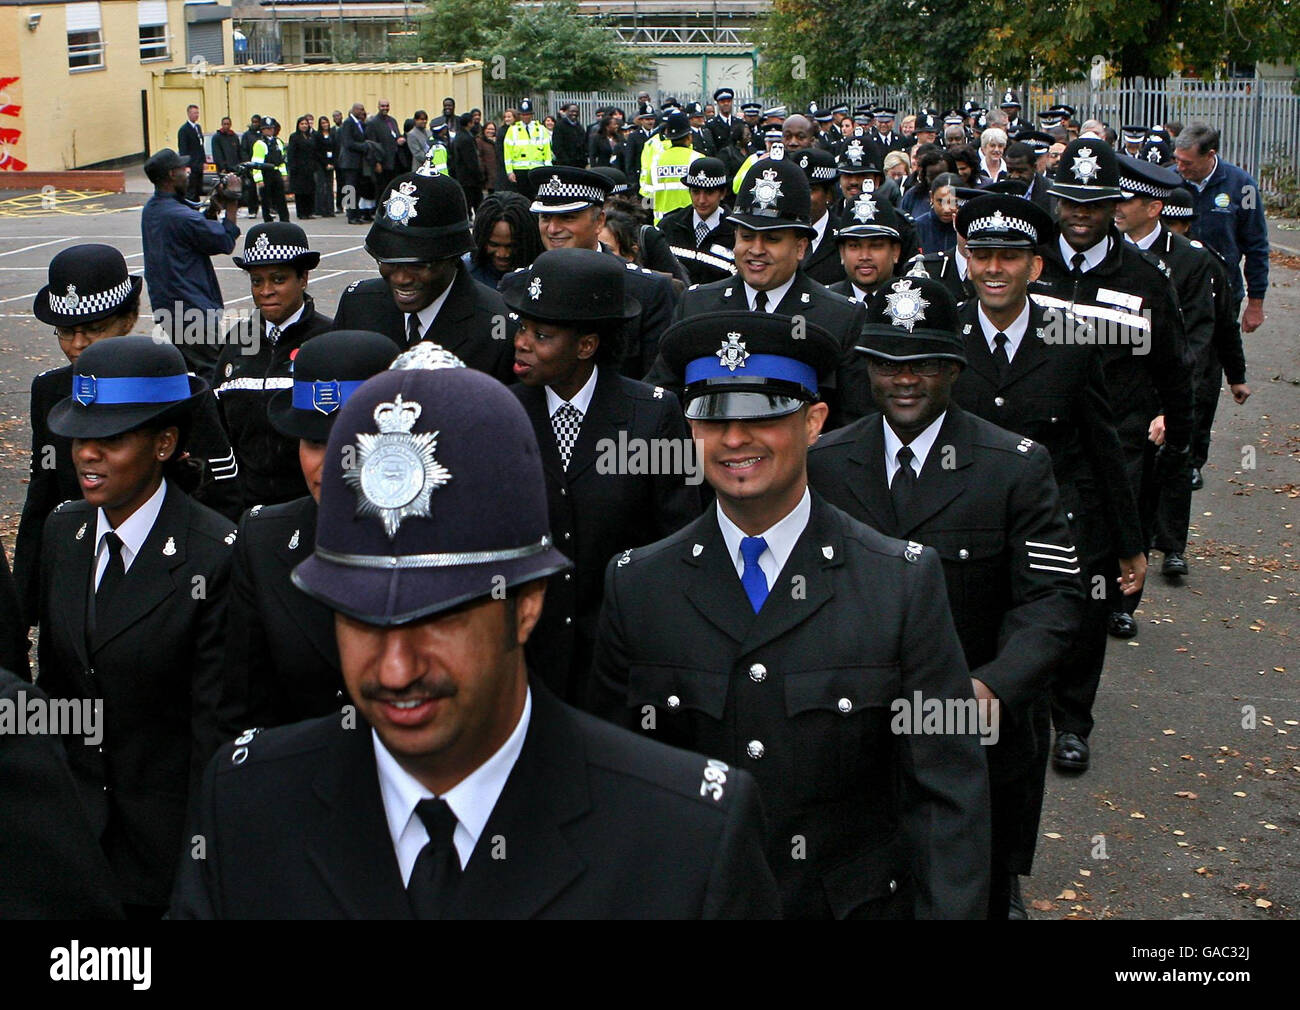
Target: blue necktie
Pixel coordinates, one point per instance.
(752, 578)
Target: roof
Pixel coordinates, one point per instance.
(321, 68)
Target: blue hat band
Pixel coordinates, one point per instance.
(757, 366)
(326, 396)
(87, 389)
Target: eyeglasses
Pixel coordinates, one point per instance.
(90, 331)
(927, 368)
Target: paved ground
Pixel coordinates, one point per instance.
(1192, 807)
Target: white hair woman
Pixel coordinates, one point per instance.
(993, 142)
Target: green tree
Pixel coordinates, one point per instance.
(452, 29)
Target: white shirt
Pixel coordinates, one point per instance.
(963, 264)
(780, 539)
(1014, 333)
(1200, 186)
(773, 297)
(581, 399)
(984, 167)
(920, 446)
(1092, 257)
(133, 532)
(1147, 241)
(859, 294)
(471, 800)
(284, 325)
(713, 220)
(820, 228)
(429, 313)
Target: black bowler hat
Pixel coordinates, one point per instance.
(617, 179)
(869, 216)
(86, 283)
(327, 370)
(1002, 221)
(694, 109)
(860, 157)
(526, 107)
(571, 287)
(748, 365)
(119, 385)
(1094, 167)
(926, 122)
(774, 194)
(421, 218)
(1138, 177)
(706, 173)
(817, 164)
(1039, 141)
(274, 243)
(562, 189)
(432, 496)
(158, 167)
(1010, 100)
(916, 319)
(676, 125)
(1179, 205)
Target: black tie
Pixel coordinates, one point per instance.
(1076, 263)
(436, 873)
(412, 330)
(1000, 358)
(114, 572)
(760, 301)
(903, 489)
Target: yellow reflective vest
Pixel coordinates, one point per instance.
(527, 145)
(436, 158)
(664, 172)
(262, 151)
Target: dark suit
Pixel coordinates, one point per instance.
(467, 324)
(466, 168)
(382, 134)
(725, 134)
(51, 866)
(707, 261)
(569, 143)
(189, 145)
(702, 142)
(596, 513)
(13, 629)
(352, 152)
(654, 292)
(995, 518)
(154, 660)
(281, 659)
(597, 824)
(865, 821)
(823, 263)
(941, 267)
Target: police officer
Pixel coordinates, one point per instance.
(700, 235)
(869, 243)
(637, 137)
(133, 592)
(527, 144)
(1010, 104)
(432, 549)
(744, 635)
(272, 171)
(883, 131)
(1105, 293)
(424, 290)
(663, 166)
(821, 261)
(281, 660)
(923, 469)
(588, 420)
(257, 360)
(701, 138)
(726, 128)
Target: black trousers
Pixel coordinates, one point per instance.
(304, 198)
(195, 185)
(350, 192)
(273, 200)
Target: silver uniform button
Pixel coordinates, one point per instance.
(568, 576)
(1070, 516)
(844, 705)
(568, 536)
(674, 701)
(998, 401)
(755, 749)
(758, 673)
(963, 554)
(893, 886)
(568, 620)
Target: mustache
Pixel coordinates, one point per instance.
(422, 690)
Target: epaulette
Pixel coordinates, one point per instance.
(255, 511)
(231, 537)
(912, 551)
(64, 504)
(352, 287)
(1197, 244)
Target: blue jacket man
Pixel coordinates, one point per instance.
(179, 243)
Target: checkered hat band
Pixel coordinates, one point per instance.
(1002, 224)
(76, 304)
(704, 181)
(557, 191)
(1172, 210)
(825, 173)
(273, 253)
(1131, 185)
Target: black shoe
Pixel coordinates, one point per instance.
(1016, 908)
(1175, 564)
(1122, 625)
(1070, 754)
(1198, 481)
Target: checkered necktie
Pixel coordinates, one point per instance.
(274, 334)
(701, 233)
(566, 422)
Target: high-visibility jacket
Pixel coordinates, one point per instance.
(649, 151)
(435, 160)
(269, 154)
(527, 145)
(745, 167)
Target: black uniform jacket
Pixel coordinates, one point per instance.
(54, 478)
(987, 503)
(473, 322)
(941, 267)
(866, 821)
(1227, 327)
(1123, 290)
(707, 261)
(51, 866)
(823, 263)
(597, 824)
(269, 472)
(1055, 395)
(13, 629)
(154, 660)
(281, 660)
(597, 512)
(1185, 262)
(654, 292)
(805, 297)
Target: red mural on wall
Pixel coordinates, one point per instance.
(9, 135)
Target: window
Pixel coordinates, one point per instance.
(85, 37)
(153, 29)
(316, 43)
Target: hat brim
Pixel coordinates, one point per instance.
(919, 345)
(303, 261)
(291, 422)
(73, 420)
(770, 223)
(417, 245)
(1085, 194)
(515, 302)
(42, 311)
(868, 231)
(388, 597)
(538, 207)
(1001, 243)
(741, 404)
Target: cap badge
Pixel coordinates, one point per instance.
(293, 540)
(71, 298)
(263, 240)
(396, 471)
(169, 548)
(535, 288)
(918, 270)
(1085, 167)
(854, 151)
(998, 221)
(767, 190)
(776, 154)
(906, 306)
(864, 209)
(732, 353)
(400, 204)
(1153, 155)
(81, 533)
(426, 354)
(812, 107)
